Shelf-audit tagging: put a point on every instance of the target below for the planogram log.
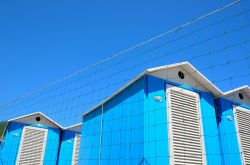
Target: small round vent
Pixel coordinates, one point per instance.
(38, 118)
(181, 75)
(241, 96)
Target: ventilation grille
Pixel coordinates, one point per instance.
(243, 123)
(76, 150)
(32, 146)
(185, 128)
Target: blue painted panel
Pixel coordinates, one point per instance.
(227, 130)
(66, 148)
(52, 146)
(134, 127)
(211, 134)
(155, 123)
(122, 129)
(90, 138)
(10, 146)
(122, 140)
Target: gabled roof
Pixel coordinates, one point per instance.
(244, 89)
(31, 119)
(170, 72)
(76, 127)
(233, 95)
(193, 78)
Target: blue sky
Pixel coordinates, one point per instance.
(41, 41)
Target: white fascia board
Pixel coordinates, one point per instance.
(198, 76)
(245, 89)
(37, 113)
(72, 126)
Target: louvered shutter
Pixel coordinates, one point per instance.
(32, 146)
(76, 149)
(185, 127)
(243, 126)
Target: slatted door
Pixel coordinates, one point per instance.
(76, 149)
(185, 127)
(32, 146)
(242, 116)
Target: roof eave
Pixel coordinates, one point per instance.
(72, 126)
(208, 84)
(231, 92)
(40, 113)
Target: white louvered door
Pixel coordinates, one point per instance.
(76, 149)
(242, 116)
(185, 127)
(32, 146)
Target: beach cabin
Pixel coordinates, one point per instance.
(30, 139)
(234, 126)
(166, 115)
(70, 145)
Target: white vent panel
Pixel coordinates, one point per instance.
(76, 149)
(185, 129)
(243, 126)
(32, 146)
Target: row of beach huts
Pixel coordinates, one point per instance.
(36, 139)
(166, 115)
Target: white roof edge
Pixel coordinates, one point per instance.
(244, 87)
(216, 90)
(40, 113)
(167, 66)
(72, 126)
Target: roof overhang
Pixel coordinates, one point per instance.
(166, 72)
(20, 118)
(196, 78)
(233, 95)
(76, 127)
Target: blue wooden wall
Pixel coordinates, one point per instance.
(66, 148)
(230, 152)
(90, 138)
(156, 147)
(9, 148)
(122, 130)
(134, 127)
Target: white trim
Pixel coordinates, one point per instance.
(74, 148)
(21, 143)
(233, 95)
(242, 88)
(195, 73)
(186, 65)
(37, 113)
(237, 130)
(171, 151)
(73, 127)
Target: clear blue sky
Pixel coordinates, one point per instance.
(43, 40)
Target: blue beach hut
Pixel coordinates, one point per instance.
(166, 115)
(233, 123)
(70, 145)
(30, 139)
